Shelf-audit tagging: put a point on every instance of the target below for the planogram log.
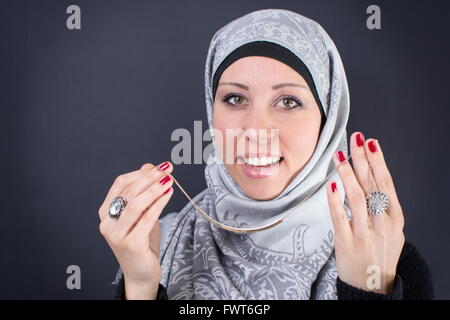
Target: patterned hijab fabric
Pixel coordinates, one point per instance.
(294, 259)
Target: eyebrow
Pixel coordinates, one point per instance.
(275, 87)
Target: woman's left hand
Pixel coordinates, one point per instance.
(367, 247)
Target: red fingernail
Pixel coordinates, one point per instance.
(164, 166)
(359, 140)
(333, 187)
(372, 146)
(167, 190)
(164, 180)
(340, 156)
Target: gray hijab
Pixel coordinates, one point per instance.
(295, 259)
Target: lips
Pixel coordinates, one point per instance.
(260, 167)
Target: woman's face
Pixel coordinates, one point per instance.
(249, 98)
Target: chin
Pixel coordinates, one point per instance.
(261, 189)
(261, 193)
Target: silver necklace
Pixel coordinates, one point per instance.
(260, 228)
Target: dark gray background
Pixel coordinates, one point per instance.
(80, 107)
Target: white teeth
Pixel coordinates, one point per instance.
(263, 161)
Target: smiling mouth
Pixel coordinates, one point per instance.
(260, 167)
(260, 162)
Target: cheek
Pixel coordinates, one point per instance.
(223, 118)
(220, 124)
(299, 146)
(300, 138)
(220, 121)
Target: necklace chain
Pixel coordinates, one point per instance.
(264, 227)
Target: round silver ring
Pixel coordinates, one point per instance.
(116, 207)
(377, 203)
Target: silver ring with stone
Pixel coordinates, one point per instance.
(116, 207)
(377, 203)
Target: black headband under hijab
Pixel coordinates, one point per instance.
(275, 51)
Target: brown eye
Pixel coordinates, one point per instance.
(290, 103)
(234, 99)
(238, 100)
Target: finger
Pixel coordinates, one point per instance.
(379, 222)
(147, 166)
(382, 176)
(364, 174)
(148, 177)
(359, 161)
(119, 184)
(354, 193)
(140, 204)
(339, 217)
(144, 227)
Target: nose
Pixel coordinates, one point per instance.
(259, 130)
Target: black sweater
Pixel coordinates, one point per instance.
(412, 282)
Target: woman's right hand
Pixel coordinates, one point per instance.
(135, 236)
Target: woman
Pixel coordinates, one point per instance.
(275, 79)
